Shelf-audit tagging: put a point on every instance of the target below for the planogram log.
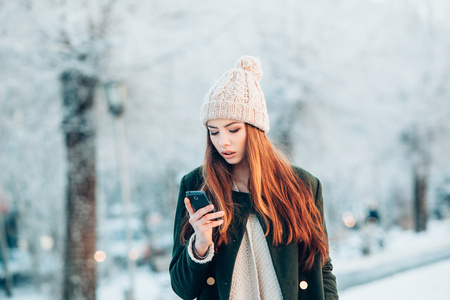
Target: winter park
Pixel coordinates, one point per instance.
(100, 121)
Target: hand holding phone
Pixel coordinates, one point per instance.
(203, 225)
(199, 200)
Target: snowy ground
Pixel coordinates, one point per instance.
(403, 250)
(148, 286)
(411, 266)
(429, 282)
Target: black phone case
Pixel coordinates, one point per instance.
(198, 200)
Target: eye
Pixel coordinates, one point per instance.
(213, 133)
(234, 130)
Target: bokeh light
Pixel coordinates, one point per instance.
(133, 254)
(349, 219)
(47, 242)
(100, 256)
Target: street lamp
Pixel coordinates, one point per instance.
(116, 93)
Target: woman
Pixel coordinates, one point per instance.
(267, 238)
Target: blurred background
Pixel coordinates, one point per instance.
(99, 120)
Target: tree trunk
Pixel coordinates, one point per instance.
(4, 255)
(78, 124)
(420, 203)
(418, 140)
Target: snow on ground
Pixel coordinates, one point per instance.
(403, 250)
(24, 293)
(429, 282)
(418, 265)
(148, 286)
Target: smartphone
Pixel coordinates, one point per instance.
(198, 200)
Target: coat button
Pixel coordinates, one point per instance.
(210, 281)
(303, 285)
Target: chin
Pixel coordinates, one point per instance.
(233, 161)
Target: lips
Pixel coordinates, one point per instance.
(228, 154)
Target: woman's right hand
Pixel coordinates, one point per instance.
(203, 224)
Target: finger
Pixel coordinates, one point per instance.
(204, 210)
(212, 216)
(188, 205)
(198, 221)
(210, 225)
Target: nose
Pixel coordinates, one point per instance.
(224, 140)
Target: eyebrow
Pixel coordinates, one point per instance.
(229, 124)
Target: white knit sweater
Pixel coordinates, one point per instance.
(254, 276)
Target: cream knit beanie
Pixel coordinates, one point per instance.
(238, 96)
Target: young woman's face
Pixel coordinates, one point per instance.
(229, 138)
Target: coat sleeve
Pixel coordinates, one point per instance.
(329, 280)
(187, 276)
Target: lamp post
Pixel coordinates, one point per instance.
(116, 94)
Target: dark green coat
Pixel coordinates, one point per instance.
(212, 280)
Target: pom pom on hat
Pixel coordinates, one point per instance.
(238, 96)
(252, 65)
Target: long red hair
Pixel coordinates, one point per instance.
(285, 203)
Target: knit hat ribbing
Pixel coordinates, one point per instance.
(238, 96)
